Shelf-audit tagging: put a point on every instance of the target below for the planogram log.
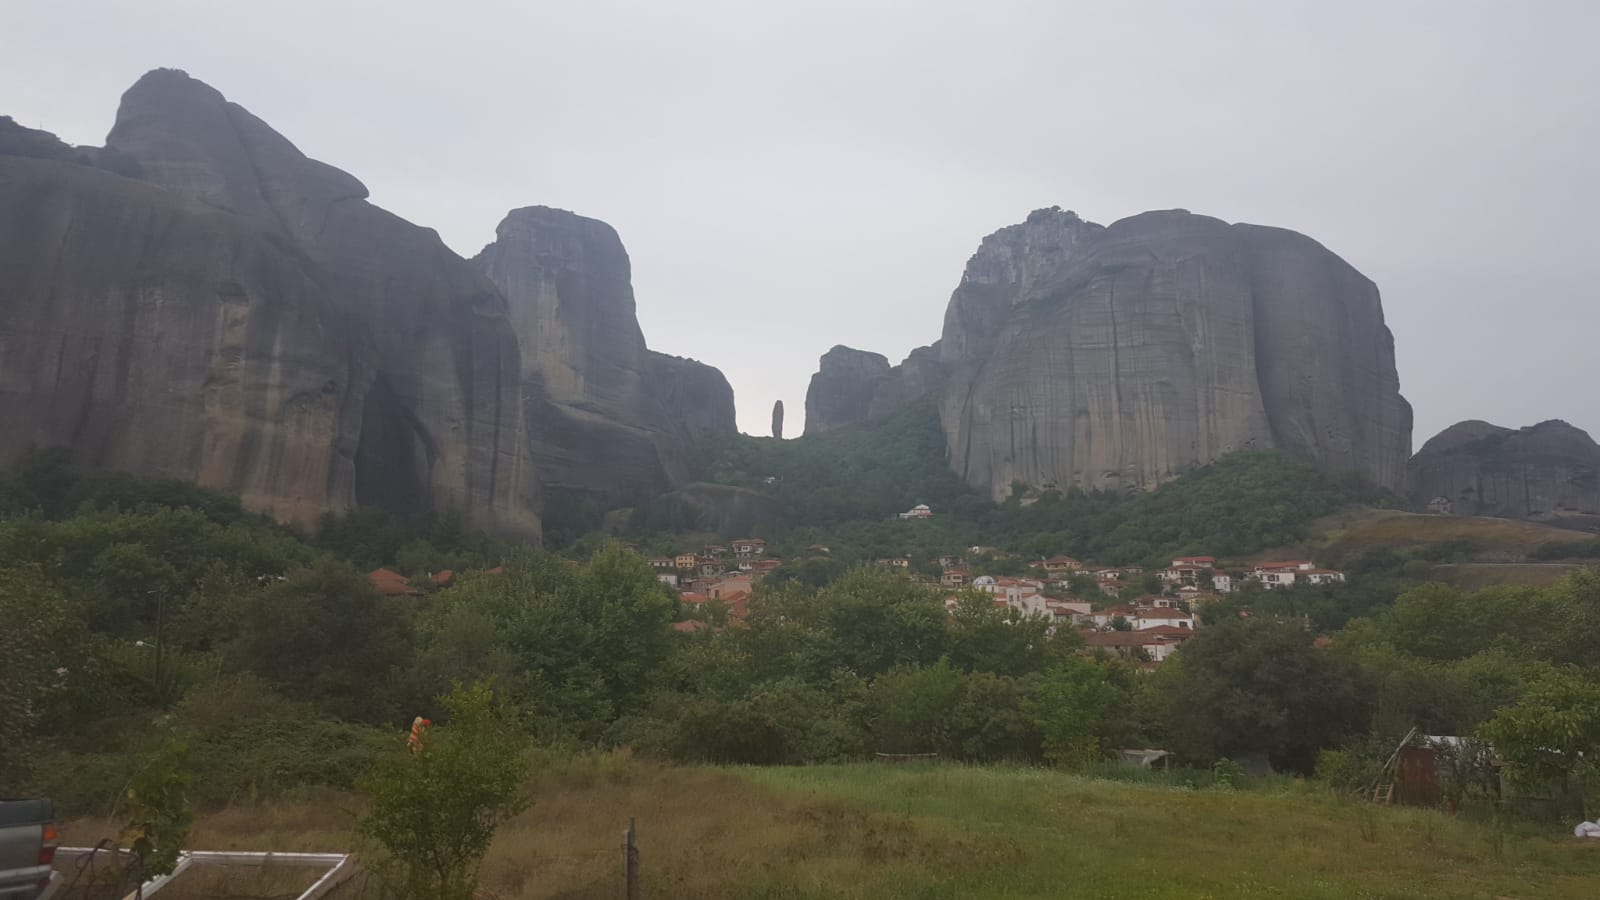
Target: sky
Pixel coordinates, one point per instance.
(788, 176)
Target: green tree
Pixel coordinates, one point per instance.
(36, 667)
(1552, 734)
(588, 641)
(1250, 686)
(433, 812)
(987, 638)
(1078, 708)
(324, 635)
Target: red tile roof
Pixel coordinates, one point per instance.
(689, 626)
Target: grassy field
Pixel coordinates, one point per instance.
(876, 831)
(1349, 534)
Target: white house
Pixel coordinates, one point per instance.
(920, 511)
(1159, 616)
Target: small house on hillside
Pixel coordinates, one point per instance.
(390, 583)
(920, 511)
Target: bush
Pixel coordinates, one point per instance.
(433, 811)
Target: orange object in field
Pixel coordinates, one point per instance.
(418, 726)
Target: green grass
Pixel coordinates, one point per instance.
(1010, 832)
(943, 832)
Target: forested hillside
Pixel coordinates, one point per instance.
(844, 488)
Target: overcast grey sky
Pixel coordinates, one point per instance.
(792, 175)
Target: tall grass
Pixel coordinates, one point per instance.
(952, 831)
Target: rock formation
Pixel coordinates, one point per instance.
(1118, 357)
(608, 419)
(1548, 472)
(777, 419)
(240, 315)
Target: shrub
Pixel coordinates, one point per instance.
(434, 811)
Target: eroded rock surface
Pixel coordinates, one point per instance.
(1119, 357)
(608, 419)
(1549, 472)
(240, 315)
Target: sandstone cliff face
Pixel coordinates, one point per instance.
(608, 419)
(242, 317)
(1548, 472)
(1118, 357)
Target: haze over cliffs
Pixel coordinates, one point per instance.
(200, 300)
(1549, 472)
(1118, 357)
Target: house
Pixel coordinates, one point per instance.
(764, 567)
(896, 562)
(685, 561)
(920, 511)
(950, 561)
(693, 598)
(1156, 643)
(443, 578)
(662, 562)
(716, 551)
(1061, 565)
(1223, 582)
(707, 566)
(738, 603)
(953, 578)
(669, 579)
(1065, 611)
(1189, 569)
(1441, 506)
(390, 583)
(1322, 576)
(1161, 617)
(689, 626)
(744, 548)
(1287, 574)
(728, 585)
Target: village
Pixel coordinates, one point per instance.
(1127, 610)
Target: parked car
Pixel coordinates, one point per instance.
(28, 840)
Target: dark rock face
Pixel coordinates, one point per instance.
(841, 392)
(777, 419)
(608, 419)
(242, 317)
(1118, 357)
(1548, 473)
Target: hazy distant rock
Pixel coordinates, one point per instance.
(607, 418)
(841, 391)
(1549, 472)
(777, 419)
(1115, 358)
(242, 317)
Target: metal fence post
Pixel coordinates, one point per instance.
(630, 861)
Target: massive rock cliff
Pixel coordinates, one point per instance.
(608, 419)
(201, 300)
(1118, 357)
(1548, 472)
